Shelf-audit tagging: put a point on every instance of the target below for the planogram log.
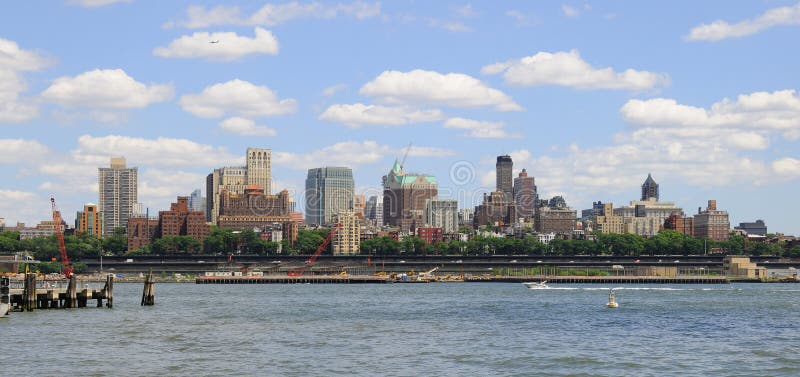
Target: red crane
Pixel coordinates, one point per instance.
(60, 237)
(301, 270)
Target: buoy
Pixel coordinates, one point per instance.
(612, 303)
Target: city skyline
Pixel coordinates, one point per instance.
(587, 97)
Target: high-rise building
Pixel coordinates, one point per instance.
(259, 168)
(503, 176)
(466, 216)
(359, 205)
(141, 231)
(374, 210)
(196, 200)
(90, 221)
(494, 211)
(236, 179)
(117, 194)
(404, 196)
(649, 188)
(646, 217)
(181, 221)
(556, 220)
(347, 239)
(712, 223)
(328, 191)
(525, 195)
(442, 213)
(608, 223)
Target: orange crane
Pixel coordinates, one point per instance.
(60, 237)
(301, 270)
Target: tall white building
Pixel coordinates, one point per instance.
(442, 213)
(258, 168)
(348, 239)
(117, 194)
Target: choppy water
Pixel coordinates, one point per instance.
(468, 329)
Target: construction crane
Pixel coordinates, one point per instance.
(301, 270)
(60, 237)
(403, 161)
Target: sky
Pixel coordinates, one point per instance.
(589, 97)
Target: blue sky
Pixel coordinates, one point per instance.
(589, 97)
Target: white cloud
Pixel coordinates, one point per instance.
(156, 152)
(333, 89)
(433, 88)
(350, 153)
(359, 114)
(236, 97)
(466, 11)
(718, 30)
(13, 60)
(106, 89)
(275, 14)
(569, 69)
(454, 26)
(246, 127)
(30, 213)
(347, 153)
(479, 129)
(158, 188)
(522, 19)
(97, 3)
(758, 111)
(787, 167)
(228, 45)
(570, 11)
(16, 151)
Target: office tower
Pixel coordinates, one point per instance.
(712, 223)
(90, 221)
(374, 210)
(328, 191)
(235, 179)
(258, 168)
(404, 196)
(525, 195)
(503, 171)
(649, 188)
(117, 194)
(442, 213)
(196, 200)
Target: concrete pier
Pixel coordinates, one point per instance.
(282, 279)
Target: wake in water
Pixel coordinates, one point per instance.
(637, 289)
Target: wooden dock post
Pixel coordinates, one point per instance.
(149, 294)
(29, 293)
(5, 297)
(108, 291)
(71, 299)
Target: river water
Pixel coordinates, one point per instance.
(466, 329)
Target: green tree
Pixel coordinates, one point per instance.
(221, 241)
(8, 244)
(794, 252)
(308, 241)
(117, 243)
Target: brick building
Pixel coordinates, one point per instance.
(141, 231)
(180, 221)
(712, 223)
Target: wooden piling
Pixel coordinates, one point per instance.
(148, 293)
(108, 292)
(29, 293)
(71, 300)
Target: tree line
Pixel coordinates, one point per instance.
(226, 241)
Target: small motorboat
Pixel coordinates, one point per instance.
(612, 303)
(536, 284)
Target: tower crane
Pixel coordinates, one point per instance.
(60, 237)
(403, 161)
(301, 270)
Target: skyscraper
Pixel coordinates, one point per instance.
(328, 191)
(374, 210)
(503, 171)
(235, 179)
(258, 168)
(649, 188)
(404, 197)
(117, 194)
(525, 195)
(196, 200)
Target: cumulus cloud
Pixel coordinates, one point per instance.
(106, 89)
(787, 167)
(275, 14)
(228, 45)
(569, 69)
(479, 129)
(718, 30)
(246, 127)
(333, 89)
(434, 88)
(350, 153)
(96, 3)
(236, 97)
(758, 111)
(161, 151)
(13, 60)
(358, 114)
(14, 151)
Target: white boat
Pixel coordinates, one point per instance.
(536, 284)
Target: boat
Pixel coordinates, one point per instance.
(536, 284)
(612, 303)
